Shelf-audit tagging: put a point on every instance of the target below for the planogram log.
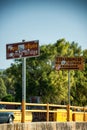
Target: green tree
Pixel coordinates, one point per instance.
(8, 98)
(79, 88)
(2, 89)
(14, 82)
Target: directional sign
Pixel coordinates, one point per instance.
(67, 63)
(22, 49)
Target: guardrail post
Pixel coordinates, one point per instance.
(68, 112)
(84, 118)
(47, 111)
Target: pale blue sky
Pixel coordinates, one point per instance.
(43, 20)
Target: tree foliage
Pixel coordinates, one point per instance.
(8, 98)
(2, 89)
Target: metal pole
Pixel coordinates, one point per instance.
(68, 107)
(69, 87)
(23, 89)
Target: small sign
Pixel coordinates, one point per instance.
(22, 49)
(68, 63)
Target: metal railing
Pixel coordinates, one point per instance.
(49, 110)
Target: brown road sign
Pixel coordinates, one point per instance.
(22, 49)
(68, 63)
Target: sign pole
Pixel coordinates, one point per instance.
(69, 63)
(68, 108)
(23, 89)
(23, 50)
(69, 87)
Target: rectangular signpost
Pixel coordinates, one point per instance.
(69, 63)
(23, 50)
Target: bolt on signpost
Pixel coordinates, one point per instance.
(69, 63)
(23, 50)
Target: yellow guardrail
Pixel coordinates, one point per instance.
(46, 112)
